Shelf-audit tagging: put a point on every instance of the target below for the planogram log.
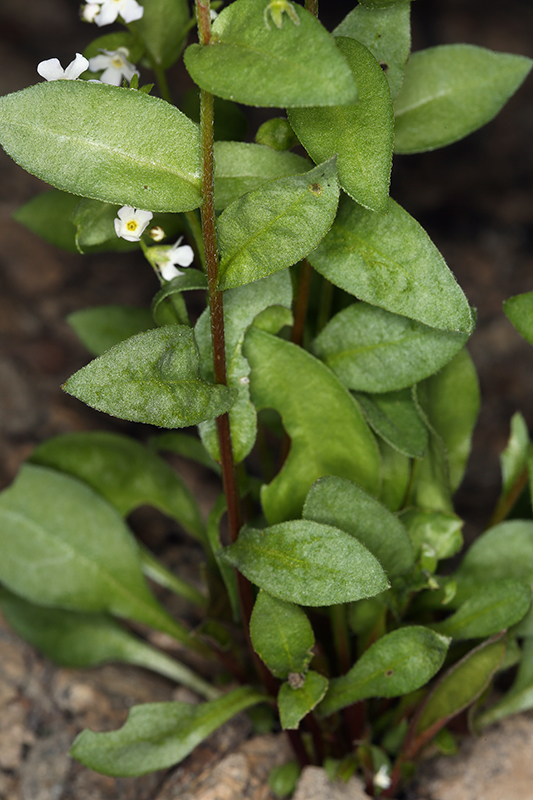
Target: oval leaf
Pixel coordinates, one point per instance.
(276, 225)
(519, 310)
(152, 378)
(307, 563)
(360, 135)
(343, 504)
(158, 735)
(398, 663)
(394, 417)
(103, 327)
(390, 261)
(48, 215)
(452, 90)
(294, 703)
(281, 635)
(314, 407)
(100, 141)
(253, 60)
(372, 350)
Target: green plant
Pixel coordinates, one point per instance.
(332, 344)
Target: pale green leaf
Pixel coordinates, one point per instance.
(394, 417)
(435, 529)
(395, 476)
(519, 310)
(513, 460)
(519, 697)
(294, 703)
(281, 635)
(48, 215)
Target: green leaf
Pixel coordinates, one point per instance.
(513, 460)
(361, 135)
(63, 545)
(163, 28)
(344, 505)
(185, 445)
(493, 608)
(256, 62)
(294, 703)
(104, 142)
(394, 417)
(283, 779)
(230, 122)
(276, 225)
(152, 378)
(395, 477)
(386, 31)
(227, 573)
(112, 41)
(48, 216)
(520, 695)
(377, 4)
(277, 134)
(314, 407)
(519, 310)
(162, 304)
(241, 167)
(157, 572)
(125, 472)
(435, 529)
(158, 735)
(241, 306)
(372, 350)
(103, 327)
(281, 635)
(390, 261)
(452, 90)
(398, 663)
(460, 687)
(307, 563)
(80, 640)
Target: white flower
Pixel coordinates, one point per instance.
(381, 778)
(168, 258)
(131, 223)
(115, 65)
(51, 69)
(129, 10)
(89, 12)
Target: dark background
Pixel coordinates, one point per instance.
(474, 199)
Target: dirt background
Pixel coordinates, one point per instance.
(474, 198)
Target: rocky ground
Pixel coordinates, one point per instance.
(474, 199)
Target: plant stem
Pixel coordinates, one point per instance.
(506, 503)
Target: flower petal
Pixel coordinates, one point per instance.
(51, 69)
(107, 15)
(130, 10)
(76, 67)
(184, 256)
(169, 271)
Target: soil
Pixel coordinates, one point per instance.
(474, 199)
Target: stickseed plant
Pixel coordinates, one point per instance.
(327, 375)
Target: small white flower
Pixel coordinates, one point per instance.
(169, 258)
(381, 778)
(89, 12)
(157, 233)
(129, 10)
(51, 69)
(131, 223)
(212, 15)
(115, 65)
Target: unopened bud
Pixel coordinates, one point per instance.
(157, 233)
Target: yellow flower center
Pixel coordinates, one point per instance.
(117, 62)
(132, 225)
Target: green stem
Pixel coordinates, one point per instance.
(161, 79)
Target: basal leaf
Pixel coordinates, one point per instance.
(103, 327)
(398, 663)
(241, 167)
(281, 635)
(394, 417)
(48, 216)
(74, 639)
(343, 504)
(254, 61)
(452, 90)
(153, 378)
(390, 261)
(63, 545)
(112, 144)
(360, 135)
(125, 472)
(519, 310)
(241, 306)
(307, 563)
(314, 407)
(520, 695)
(386, 31)
(372, 350)
(157, 735)
(276, 225)
(295, 702)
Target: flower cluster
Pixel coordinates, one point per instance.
(104, 12)
(115, 66)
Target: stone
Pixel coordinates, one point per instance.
(314, 784)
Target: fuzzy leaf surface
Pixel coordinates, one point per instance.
(307, 563)
(372, 350)
(435, 529)
(393, 416)
(360, 135)
(104, 142)
(452, 90)
(314, 407)
(252, 61)
(398, 663)
(158, 735)
(295, 704)
(276, 225)
(343, 504)
(154, 378)
(123, 471)
(281, 635)
(390, 262)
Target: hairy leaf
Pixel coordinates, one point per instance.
(295, 703)
(394, 417)
(435, 529)
(281, 635)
